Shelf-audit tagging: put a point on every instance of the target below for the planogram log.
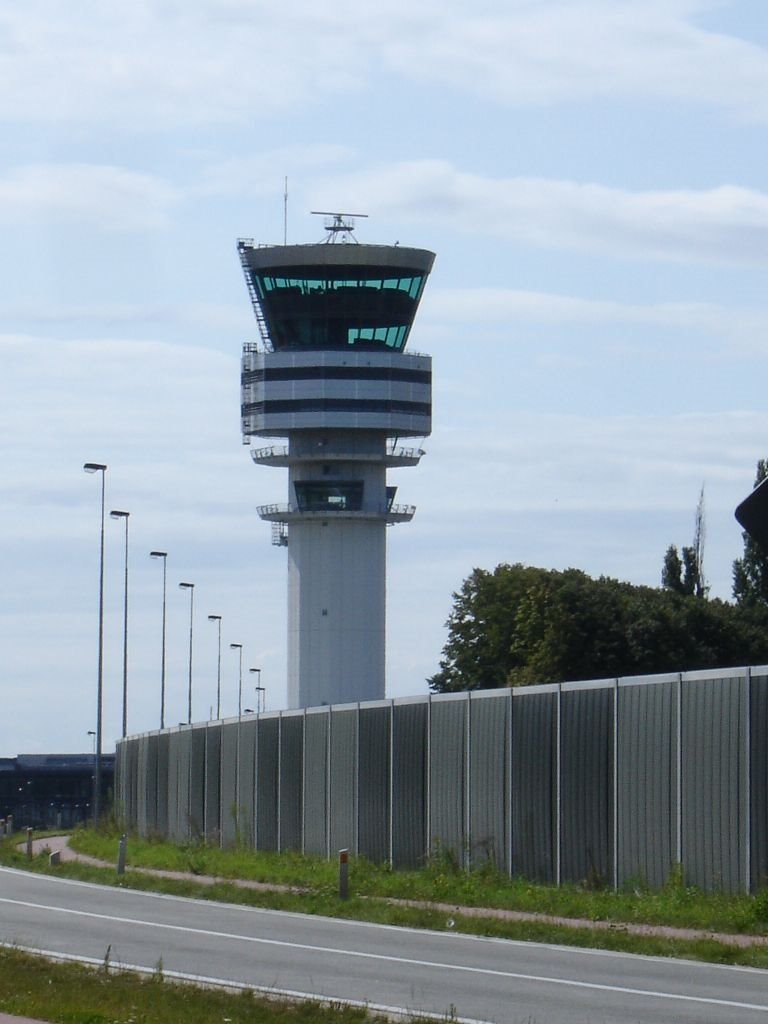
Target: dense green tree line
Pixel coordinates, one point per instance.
(520, 625)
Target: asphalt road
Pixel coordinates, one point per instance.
(433, 972)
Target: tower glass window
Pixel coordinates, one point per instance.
(324, 496)
(364, 307)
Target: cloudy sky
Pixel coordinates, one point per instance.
(593, 176)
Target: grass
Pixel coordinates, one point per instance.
(72, 994)
(439, 881)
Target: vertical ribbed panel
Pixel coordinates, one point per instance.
(197, 783)
(409, 769)
(647, 782)
(121, 778)
(713, 784)
(213, 784)
(266, 783)
(142, 763)
(343, 781)
(759, 781)
(246, 795)
(291, 780)
(228, 783)
(586, 723)
(183, 803)
(489, 780)
(373, 775)
(316, 782)
(447, 776)
(534, 759)
(173, 786)
(163, 783)
(151, 785)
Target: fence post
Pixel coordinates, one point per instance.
(121, 854)
(343, 874)
(29, 843)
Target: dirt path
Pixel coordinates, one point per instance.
(60, 844)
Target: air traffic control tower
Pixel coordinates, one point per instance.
(331, 375)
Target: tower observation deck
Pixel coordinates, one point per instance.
(331, 376)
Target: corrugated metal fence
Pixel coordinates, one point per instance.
(608, 781)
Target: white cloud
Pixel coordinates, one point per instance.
(112, 198)
(157, 63)
(727, 224)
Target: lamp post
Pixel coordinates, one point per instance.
(239, 647)
(164, 556)
(117, 514)
(191, 588)
(261, 693)
(217, 618)
(99, 467)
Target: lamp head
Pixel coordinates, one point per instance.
(94, 467)
(214, 618)
(158, 554)
(236, 647)
(117, 514)
(187, 586)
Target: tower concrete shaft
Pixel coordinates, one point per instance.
(331, 376)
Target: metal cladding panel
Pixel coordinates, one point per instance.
(183, 799)
(140, 822)
(197, 783)
(316, 783)
(586, 785)
(534, 781)
(409, 777)
(121, 779)
(291, 781)
(489, 779)
(163, 783)
(246, 788)
(758, 781)
(373, 780)
(267, 752)
(174, 770)
(343, 781)
(713, 784)
(213, 784)
(646, 771)
(448, 777)
(153, 747)
(131, 764)
(228, 783)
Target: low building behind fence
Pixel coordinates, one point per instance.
(608, 781)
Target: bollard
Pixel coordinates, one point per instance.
(343, 874)
(9, 825)
(29, 843)
(2, 827)
(121, 854)
(54, 859)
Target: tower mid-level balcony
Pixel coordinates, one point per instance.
(287, 513)
(282, 456)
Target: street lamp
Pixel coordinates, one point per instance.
(261, 693)
(164, 556)
(117, 514)
(217, 618)
(99, 467)
(239, 647)
(191, 588)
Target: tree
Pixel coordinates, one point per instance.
(686, 575)
(750, 572)
(672, 571)
(520, 625)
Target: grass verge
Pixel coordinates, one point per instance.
(440, 881)
(73, 994)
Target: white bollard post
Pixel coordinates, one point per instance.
(343, 874)
(121, 854)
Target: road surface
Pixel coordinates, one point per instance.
(414, 971)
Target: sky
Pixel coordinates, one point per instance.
(593, 177)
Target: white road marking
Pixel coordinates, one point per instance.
(567, 982)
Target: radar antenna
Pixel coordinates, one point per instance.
(339, 226)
